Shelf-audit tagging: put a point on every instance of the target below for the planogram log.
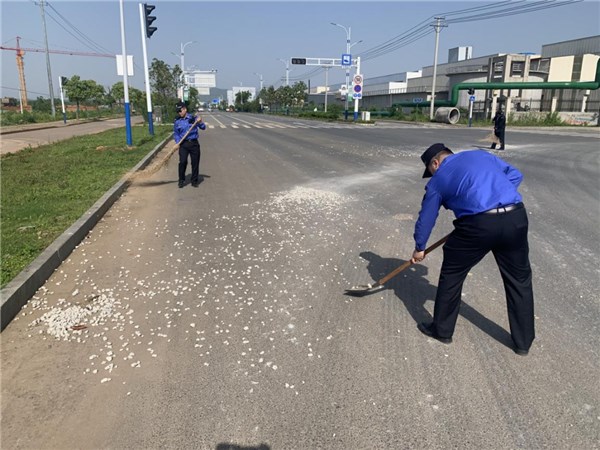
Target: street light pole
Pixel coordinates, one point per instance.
(182, 57)
(438, 26)
(260, 77)
(287, 70)
(261, 88)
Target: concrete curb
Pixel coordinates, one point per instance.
(18, 292)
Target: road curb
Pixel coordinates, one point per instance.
(18, 292)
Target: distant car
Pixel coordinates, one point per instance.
(200, 109)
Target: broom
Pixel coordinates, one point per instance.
(492, 138)
(165, 160)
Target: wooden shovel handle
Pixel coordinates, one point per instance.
(408, 263)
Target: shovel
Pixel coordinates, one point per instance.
(364, 289)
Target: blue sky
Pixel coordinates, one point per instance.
(240, 39)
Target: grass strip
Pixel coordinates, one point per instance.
(46, 189)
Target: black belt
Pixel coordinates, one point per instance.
(503, 209)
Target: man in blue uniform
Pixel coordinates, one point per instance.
(481, 190)
(188, 146)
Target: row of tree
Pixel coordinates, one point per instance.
(165, 82)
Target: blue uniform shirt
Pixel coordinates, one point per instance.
(468, 183)
(182, 124)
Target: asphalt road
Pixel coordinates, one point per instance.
(214, 317)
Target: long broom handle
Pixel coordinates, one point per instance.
(409, 263)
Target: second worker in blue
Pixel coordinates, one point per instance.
(188, 144)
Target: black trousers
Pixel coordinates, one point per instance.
(505, 235)
(189, 148)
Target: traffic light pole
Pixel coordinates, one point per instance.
(146, 71)
(330, 62)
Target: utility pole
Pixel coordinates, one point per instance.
(437, 26)
(50, 87)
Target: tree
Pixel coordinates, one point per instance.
(164, 81)
(299, 90)
(193, 102)
(79, 91)
(137, 98)
(241, 100)
(269, 96)
(41, 104)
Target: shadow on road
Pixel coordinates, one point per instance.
(413, 289)
(188, 180)
(227, 446)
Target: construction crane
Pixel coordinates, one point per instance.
(21, 65)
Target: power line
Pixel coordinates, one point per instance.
(17, 89)
(474, 14)
(93, 43)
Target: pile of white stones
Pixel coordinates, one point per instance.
(63, 319)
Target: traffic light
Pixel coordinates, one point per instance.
(471, 91)
(298, 60)
(63, 81)
(149, 19)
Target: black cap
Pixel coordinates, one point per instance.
(180, 105)
(429, 154)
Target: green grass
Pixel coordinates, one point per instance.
(46, 189)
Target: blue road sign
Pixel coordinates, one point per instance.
(215, 101)
(417, 100)
(346, 59)
(357, 88)
(472, 98)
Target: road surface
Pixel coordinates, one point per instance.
(213, 317)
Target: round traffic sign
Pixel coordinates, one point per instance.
(357, 88)
(358, 79)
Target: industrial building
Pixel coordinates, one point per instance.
(570, 61)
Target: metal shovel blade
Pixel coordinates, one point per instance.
(362, 289)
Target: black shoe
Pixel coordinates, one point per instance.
(195, 184)
(501, 148)
(428, 330)
(521, 351)
(181, 184)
